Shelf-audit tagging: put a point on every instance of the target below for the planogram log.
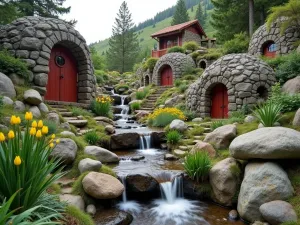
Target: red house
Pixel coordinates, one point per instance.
(177, 35)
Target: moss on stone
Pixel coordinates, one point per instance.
(80, 217)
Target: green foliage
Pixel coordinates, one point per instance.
(189, 115)
(197, 166)
(98, 60)
(191, 77)
(215, 124)
(239, 44)
(173, 137)
(54, 189)
(135, 106)
(162, 120)
(91, 137)
(8, 12)
(101, 106)
(107, 170)
(268, 114)
(196, 131)
(183, 87)
(246, 128)
(80, 217)
(236, 117)
(140, 95)
(177, 82)
(176, 49)
(136, 67)
(119, 88)
(10, 65)
(150, 63)
(200, 16)
(180, 15)
(191, 46)
(52, 126)
(77, 188)
(213, 54)
(194, 55)
(76, 111)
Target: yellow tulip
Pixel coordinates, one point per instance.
(18, 120)
(11, 134)
(57, 141)
(39, 134)
(13, 119)
(34, 124)
(40, 124)
(2, 137)
(17, 161)
(51, 145)
(45, 130)
(53, 136)
(32, 131)
(28, 116)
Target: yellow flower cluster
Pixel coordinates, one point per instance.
(172, 111)
(51, 144)
(42, 130)
(14, 120)
(104, 99)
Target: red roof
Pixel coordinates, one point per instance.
(178, 28)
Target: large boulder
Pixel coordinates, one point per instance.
(263, 182)
(7, 100)
(224, 182)
(35, 111)
(32, 97)
(222, 136)
(267, 143)
(74, 200)
(158, 137)
(296, 121)
(6, 86)
(278, 212)
(19, 106)
(201, 146)
(141, 183)
(178, 125)
(102, 186)
(102, 154)
(54, 117)
(292, 86)
(124, 141)
(43, 108)
(89, 165)
(66, 150)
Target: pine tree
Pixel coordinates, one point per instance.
(200, 15)
(123, 45)
(181, 15)
(8, 12)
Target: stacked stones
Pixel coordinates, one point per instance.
(242, 74)
(32, 38)
(191, 36)
(179, 62)
(284, 42)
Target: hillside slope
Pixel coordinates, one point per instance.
(144, 35)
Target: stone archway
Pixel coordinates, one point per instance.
(147, 80)
(203, 64)
(268, 49)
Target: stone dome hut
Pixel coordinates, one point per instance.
(171, 67)
(271, 43)
(229, 83)
(57, 55)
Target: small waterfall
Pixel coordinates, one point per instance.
(123, 99)
(125, 108)
(172, 190)
(112, 92)
(145, 141)
(142, 145)
(124, 195)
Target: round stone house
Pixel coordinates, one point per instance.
(57, 56)
(229, 83)
(204, 63)
(147, 78)
(271, 43)
(171, 67)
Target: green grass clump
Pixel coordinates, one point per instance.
(81, 218)
(216, 124)
(54, 189)
(176, 49)
(196, 131)
(107, 170)
(77, 188)
(79, 112)
(173, 137)
(268, 114)
(140, 95)
(246, 128)
(197, 166)
(91, 137)
(162, 120)
(135, 106)
(189, 115)
(191, 46)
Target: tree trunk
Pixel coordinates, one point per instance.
(251, 17)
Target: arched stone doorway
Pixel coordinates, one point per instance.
(219, 101)
(269, 49)
(262, 92)
(202, 64)
(147, 80)
(166, 77)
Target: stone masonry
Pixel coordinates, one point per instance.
(190, 36)
(242, 74)
(32, 38)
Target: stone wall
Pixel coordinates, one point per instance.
(32, 38)
(179, 62)
(284, 43)
(242, 74)
(190, 36)
(204, 61)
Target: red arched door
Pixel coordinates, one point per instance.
(270, 50)
(166, 76)
(219, 108)
(62, 77)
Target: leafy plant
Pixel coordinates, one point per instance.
(135, 106)
(140, 95)
(212, 54)
(150, 63)
(268, 114)
(101, 106)
(191, 46)
(215, 124)
(76, 111)
(173, 137)
(189, 115)
(239, 44)
(177, 83)
(176, 49)
(164, 116)
(197, 166)
(196, 131)
(91, 137)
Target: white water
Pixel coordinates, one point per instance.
(145, 141)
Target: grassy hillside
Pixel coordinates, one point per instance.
(144, 35)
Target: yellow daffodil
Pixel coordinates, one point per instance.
(57, 141)
(34, 124)
(2, 137)
(53, 136)
(32, 131)
(51, 145)
(45, 130)
(17, 161)
(11, 134)
(39, 134)
(28, 116)
(40, 124)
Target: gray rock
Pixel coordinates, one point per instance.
(197, 120)
(41, 79)
(16, 79)
(250, 119)
(91, 210)
(263, 182)
(124, 141)
(54, 117)
(113, 217)
(65, 126)
(67, 133)
(278, 212)
(30, 43)
(233, 215)
(7, 101)
(267, 143)
(32, 97)
(296, 121)
(89, 165)
(141, 183)
(292, 86)
(66, 150)
(102, 154)
(222, 136)
(110, 129)
(178, 125)
(19, 106)
(74, 200)
(43, 108)
(35, 111)
(170, 157)
(6, 86)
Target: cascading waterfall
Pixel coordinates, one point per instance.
(145, 141)
(125, 108)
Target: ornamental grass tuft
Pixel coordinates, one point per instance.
(268, 114)
(164, 116)
(173, 137)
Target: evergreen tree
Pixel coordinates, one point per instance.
(123, 45)
(181, 15)
(8, 12)
(200, 15)
(192, 9)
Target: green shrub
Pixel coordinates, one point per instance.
(163, 117)
(268, 114)
(195, 55)
(52, 126)
(215, 124)
(197, 166)
(239, 44)
(91, 137)
(190, 77)
(188, 70)
(135, 106)
(176, 49)
(101, 106)
(10, 65)
(150, 63)
(80, 217)
(137, 66)
(196, 131)
(140, 95)
(191, 46)
(189, 115)
(213, 54)
(183, 87)
(121, 87)
(79, 112)
(173, 137)
(177, 82)
(236, 117)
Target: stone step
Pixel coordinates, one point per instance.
(78, 123)
(56, 106)
(66, 114)
(67, 190)
(70, 118)
(61, 109)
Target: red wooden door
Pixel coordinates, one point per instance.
(62, 77)
(270, 50)
(166, 76)
(219, 108)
